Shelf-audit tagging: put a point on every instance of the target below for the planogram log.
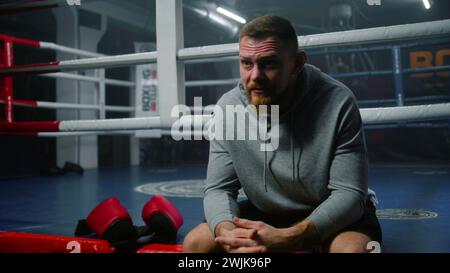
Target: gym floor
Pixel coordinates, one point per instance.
(53, 205)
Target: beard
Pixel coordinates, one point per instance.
(257, 99)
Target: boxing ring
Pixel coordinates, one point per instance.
(50, 210)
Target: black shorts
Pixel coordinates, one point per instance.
(368, 224)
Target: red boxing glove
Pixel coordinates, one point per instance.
(162, 218)
(110, 221)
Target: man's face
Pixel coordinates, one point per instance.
(267, 68)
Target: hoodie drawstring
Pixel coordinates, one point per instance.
(292, 148)
(294, 165)
(265, 157)
(265, 167)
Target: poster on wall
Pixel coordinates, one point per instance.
(147, 97)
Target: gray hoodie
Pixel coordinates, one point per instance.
(319, 168)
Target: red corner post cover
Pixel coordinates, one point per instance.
(19, 242)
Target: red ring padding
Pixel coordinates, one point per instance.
(21, 242)
(160, 248)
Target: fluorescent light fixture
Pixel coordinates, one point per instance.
(213, 16)
(219, 19)
(426, 3)
(231, 15)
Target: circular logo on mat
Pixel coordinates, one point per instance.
(194, 188)
(177, 188)
(430, 172)
(405, 214)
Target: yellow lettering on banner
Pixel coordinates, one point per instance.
(419, 59)
(440, 61)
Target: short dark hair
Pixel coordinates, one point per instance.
(271, 26)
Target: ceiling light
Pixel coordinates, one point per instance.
(426, 3)
(231, 15)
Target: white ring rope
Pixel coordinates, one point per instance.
(342, 38)
(89, 63)
(110, 124)
(369, 116)
(62, 75)
(405, 113)
(80, 52)
(375, 35)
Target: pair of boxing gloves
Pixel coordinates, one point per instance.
(111, 221)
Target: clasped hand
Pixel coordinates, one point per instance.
(256, 236)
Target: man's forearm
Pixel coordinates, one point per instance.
(304, 232)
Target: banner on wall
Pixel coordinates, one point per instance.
(147, 93)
